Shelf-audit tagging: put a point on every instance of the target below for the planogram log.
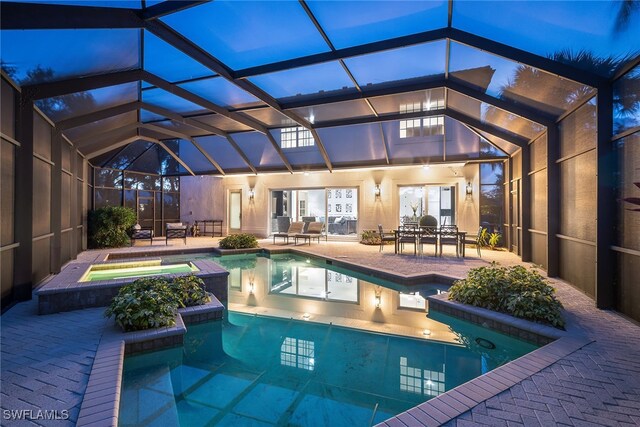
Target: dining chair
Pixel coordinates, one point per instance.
(407, 235)
(428, 236)
(449, 236)
(385, 237)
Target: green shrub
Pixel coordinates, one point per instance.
(428, 221)
(514, 290)
(144, 304)
(239, 241)
(109, 226)
(190, 291)
(370, 237)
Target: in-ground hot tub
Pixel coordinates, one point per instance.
(83, 285)
(131, 270)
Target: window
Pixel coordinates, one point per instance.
(428, 126)
(295, 137)
(433, 125)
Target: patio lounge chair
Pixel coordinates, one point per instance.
(175, 230)
(141, 233)
(385, 237)
(315, 230)
(294, 228)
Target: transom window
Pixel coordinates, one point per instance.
(295, 137)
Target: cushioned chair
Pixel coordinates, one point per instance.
(315, 230)
(307, 220)
(294, 228)
(385, 237)
(283, 223)
(141, 233)
(175, 230)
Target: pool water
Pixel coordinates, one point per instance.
(133, 270)
(257, 370)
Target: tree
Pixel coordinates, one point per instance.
(67, 105)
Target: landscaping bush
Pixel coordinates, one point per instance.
(109, 226)
(239, 241)
(515, 290)
(144, 304)
(370, 237)
(190, 291)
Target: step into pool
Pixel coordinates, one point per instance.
(257, 370)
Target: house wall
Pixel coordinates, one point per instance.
(206, 197)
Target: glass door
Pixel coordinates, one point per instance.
(435, 200)
(235, 211)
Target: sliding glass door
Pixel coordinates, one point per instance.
(435, 200)
(336, 207)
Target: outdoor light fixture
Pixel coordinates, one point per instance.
(306, 316)
(378, 298)
(469, 189)
(252, 288)
(426, 332)
(252, 194)
(376, 191)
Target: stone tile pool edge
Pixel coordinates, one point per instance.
(450, 405)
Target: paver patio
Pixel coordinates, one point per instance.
(49, 360)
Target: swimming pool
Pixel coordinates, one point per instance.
(259, 370)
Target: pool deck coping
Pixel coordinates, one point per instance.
(453, 403)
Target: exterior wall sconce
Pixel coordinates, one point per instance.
(469, 190)
(252, 194)
(376, 191)
(378, 298)
(252, 288)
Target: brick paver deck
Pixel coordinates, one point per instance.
(46, 360)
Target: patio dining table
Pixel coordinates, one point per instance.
(461, 235)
